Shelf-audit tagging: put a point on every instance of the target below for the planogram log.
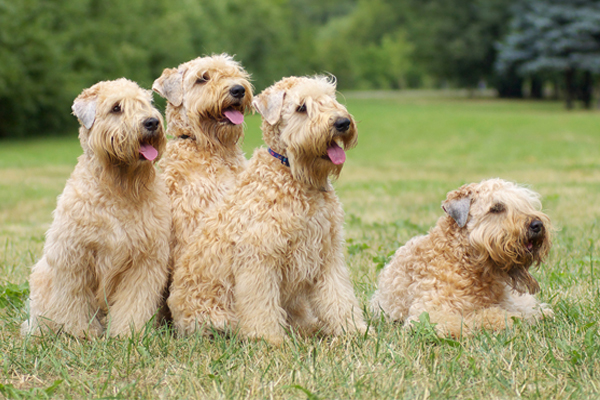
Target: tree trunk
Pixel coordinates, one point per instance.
(570, 87)
(537, 87)
(510, 85)
(587, 87)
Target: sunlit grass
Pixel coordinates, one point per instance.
(412, 150)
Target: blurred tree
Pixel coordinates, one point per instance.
(366, 48)
(555, 36)
(31, 75)
(51, 50)
(455, 40)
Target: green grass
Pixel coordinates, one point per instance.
(412, 150)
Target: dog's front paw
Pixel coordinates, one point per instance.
(546, 311)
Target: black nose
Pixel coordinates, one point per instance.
(536, 226)
(342, 124)
(238, 91)
(151, 124)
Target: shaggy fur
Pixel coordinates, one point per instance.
(105, 257)
(271, 255)
(472, 269)
(203, 160)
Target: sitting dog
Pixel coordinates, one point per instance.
(472, 270)
(272, 255)
(206, 101)
(105, 258)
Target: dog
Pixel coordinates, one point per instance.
(105, 258)
(206, 101)
(271, 256)
(472, 270)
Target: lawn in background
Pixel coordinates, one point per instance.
(412, 150)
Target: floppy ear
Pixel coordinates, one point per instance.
(269, 105)
(458, 209)
(170, 86)
(84, 108)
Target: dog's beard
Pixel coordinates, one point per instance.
(220, 120)
(510, 259)
(311, 160)
(224, 133)
(522, 281)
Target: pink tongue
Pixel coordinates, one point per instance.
(336, 154)
(234, 116)
(148, 151)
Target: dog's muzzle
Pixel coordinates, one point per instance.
(342, 124)
(535, 234)
(151, 125)
(238, 91)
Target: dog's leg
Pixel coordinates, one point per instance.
(525, 305)
(62, 295)
(137, 296)
(300, 315)
(257, 299)
(333, 297)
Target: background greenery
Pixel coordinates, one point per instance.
(51, 49)
(413, 149)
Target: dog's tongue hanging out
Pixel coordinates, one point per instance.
(336, 153)
(148, 151)
(234, 116)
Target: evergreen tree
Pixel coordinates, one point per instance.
(555, 36)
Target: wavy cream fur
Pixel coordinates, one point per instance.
(105, 257)
(475, 276)
(201, 169)
(271, 256)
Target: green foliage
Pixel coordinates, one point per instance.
(379, 55)
(51, 50)
(454, 39)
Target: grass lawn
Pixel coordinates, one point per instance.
(412, 150)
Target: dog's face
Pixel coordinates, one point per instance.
(504, 225)
(119, 125)
(210, 94)
(303, 121)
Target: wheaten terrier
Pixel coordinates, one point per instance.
(106, 253)
(472, 269)
(206, 101)
(272, 255)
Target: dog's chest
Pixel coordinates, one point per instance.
(122, 226)
(313, 243)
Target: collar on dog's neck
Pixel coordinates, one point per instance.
(284, 160)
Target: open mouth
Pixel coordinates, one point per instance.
(147, 152)
(335, 153)
(533, 245)
(233, 116)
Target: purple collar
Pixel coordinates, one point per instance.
(284, 160)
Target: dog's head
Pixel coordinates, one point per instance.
(504, 227)
(208, 96)
(303, 121)
(119, 125)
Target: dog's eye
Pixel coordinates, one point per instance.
(497, 208)
(116, 108)
(204, 78)
(301, 108)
